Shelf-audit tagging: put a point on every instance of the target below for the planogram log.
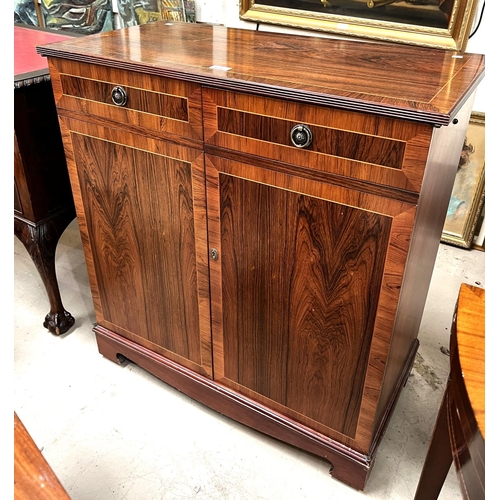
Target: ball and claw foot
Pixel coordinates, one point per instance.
(58, 323)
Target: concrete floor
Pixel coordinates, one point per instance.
(116, 432)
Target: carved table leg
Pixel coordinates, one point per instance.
(438, 460)
(41, 241)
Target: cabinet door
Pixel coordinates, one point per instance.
(141, 209)
(304, 292)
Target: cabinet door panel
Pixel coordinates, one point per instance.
(300, 280)
(301, 288)
(145, 229)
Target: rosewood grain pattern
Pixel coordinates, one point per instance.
(383, 336)
(400, 217)
(141, 142)
(393, 80)
(132, 238)
(137, 99)
(453, 90)
(298, 313)
(118, 136)
(162, 107)
(140, 217)
(321, 176)
(80, 214)
(369, 149)
(323, 190)
(365, 147)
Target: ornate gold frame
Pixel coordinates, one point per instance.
(455, 37)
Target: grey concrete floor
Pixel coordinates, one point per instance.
(115, 432)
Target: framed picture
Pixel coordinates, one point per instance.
(467, 198)
(25, 12)
(178, 10)
(134, 12)
(84, 17)
(444, 24)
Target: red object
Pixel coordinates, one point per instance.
(25, 42)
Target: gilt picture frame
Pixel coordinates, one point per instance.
(467, 198)
(443, 24)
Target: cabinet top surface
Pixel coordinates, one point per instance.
(400, 81)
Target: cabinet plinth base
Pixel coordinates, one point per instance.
(348, 466)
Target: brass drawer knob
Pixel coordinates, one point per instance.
(119, 96)
(214, 254)
(301, 136)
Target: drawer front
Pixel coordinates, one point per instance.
(365, 147)
(161, 106)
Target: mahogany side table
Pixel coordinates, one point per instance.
(459, 433)
(43, 202)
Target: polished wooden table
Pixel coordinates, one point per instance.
(459, 433)
(43, 202)
(33, 476)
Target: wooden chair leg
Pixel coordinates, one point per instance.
(439, 457)
(40, 241)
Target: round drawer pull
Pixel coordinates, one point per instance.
(301, 136)
(119, 96)
(214, 253)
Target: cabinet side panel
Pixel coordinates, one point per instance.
(437, 186)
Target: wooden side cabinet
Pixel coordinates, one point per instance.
(260, 221)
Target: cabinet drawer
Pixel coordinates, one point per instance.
(357, 145)
(159, 106)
